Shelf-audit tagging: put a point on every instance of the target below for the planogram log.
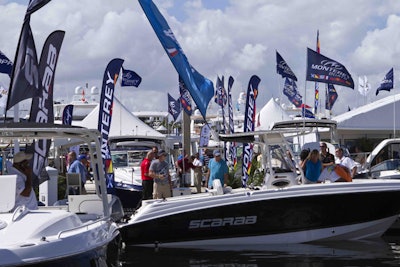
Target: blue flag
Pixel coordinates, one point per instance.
(200, 88)
(325, 70)
(249, 121)
(186, 103)
(290, 90)
(130, 78)
(174, 107)
(67, 114)
(283, 69)
(387, 82)
(331, 96)
(110, 78)
(5, 64)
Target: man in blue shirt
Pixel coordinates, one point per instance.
(76, 166)
(217, 169)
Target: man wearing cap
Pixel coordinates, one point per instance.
(25, 194)
(159, 171)
(217, 169)
(76, 166)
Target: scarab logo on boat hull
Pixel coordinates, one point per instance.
(221, 222)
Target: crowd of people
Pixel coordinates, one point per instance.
(321, 166)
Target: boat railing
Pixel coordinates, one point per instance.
(85, 227)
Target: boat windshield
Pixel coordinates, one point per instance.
(280, 160)
(128, 158)
(387, 165)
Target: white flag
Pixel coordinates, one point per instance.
(3, 96)
(363, 85)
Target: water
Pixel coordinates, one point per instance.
(380, 252)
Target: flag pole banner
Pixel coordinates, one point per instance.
(283, 68)
(185, 100)
(232, 147)
(331, 97)
(249, 120)
(363, 85)
(290, 90)
(105, 115)
(387, 82)
(67, 114)
(325, 70)
(25, 79)
(174, 108)
(204, 135)
(6, 65)
(130, 78)
(42, 108)
(200, 88)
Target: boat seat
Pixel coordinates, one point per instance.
(74, 184)
(86, 204)
(8, 185)
(217, 188)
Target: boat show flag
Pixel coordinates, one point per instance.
(363, 85)
(25, 78)
(331, 96)
(232, 147)
(325, 70)
(204, 135)
(5, 64)
(283, 68)
(316, 91)
(290, 90)
(130, 78)
(186, 103)
(386, 83)
(174, 107)
(249, 120)
(42, 108)
(110, 78)
(67, 114)
(200, 88)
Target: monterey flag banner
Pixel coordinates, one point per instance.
(174, 107)
(5, 64)
(42, 110)
(387, 82)
(200, 88)
(25, 78)
(249, 120)
(105, 114)
(283, 68)
(130, 78)
(325, 70)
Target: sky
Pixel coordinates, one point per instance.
(219, 37)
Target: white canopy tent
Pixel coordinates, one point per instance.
(378, 119)
(123, 122)
(269, 114)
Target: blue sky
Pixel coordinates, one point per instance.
(221, 37)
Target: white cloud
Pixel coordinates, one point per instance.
(238, 39)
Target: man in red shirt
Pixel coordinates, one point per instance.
(147, 181)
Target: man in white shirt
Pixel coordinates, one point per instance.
(345, 161)
(25, 194)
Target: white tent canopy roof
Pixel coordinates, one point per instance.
(382, 114)
(123, 122)
(272, 112)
